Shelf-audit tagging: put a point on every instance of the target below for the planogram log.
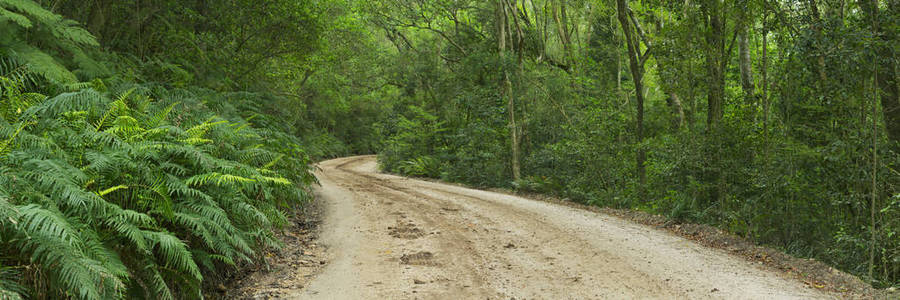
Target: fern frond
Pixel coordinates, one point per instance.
(6, 145)
(273, 180)
(116, 108)
(161, 116)
(110, 261)
(8, 212)
(32, 9)
(15, 18)
(70, 30)
(199, 130)
(152, 282)
(252, 214)
(218, 179)
(42, 63)
(163, 203)
(196, 141)
(87, 100)
(126, 127)
(112, 189)
(174, 253)
(34, 218)
(63, 183)
(17, 71)
(57, 247)
(273, 162)
(10, 288)
(77, 86)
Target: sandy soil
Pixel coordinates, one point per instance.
(391, 237)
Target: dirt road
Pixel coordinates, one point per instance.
(397, 238)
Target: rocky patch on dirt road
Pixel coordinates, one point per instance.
(405, 230)
(422, 258)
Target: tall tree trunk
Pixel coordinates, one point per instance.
(745, 65)
(637, 74)
(765, 79)
(886, 34)
(715, 67)
(715, 62)
(817, 27)
(507, 90)
(562, 28)
(886, 86)
(513, 129)
(673, 101)
(874, 197)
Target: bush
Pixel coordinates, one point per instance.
(140, 192)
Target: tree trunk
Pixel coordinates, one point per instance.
(715, 67)
(890, 96)
(637, 74)
(817, 27)
(507, 91)
(673, 101)
(886, 68)
(677, 110)
(513, 129)
(715, 63)
(765, 79)
(562, 28)
(745, 63)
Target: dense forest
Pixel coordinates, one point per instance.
(778, 121)
(148, 148)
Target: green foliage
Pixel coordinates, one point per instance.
(408, 151)
(109, 201)
(113, 189)
(789, 164)
(145, 169)
(25, 24)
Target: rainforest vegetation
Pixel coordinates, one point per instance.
(148, 148)
(778, 121)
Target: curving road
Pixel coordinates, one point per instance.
(392, 237)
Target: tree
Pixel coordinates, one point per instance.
(636, 62)
(714, 19)
(747, 84)
(503, 26)
(883, 25)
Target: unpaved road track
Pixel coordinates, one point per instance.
(392, 237)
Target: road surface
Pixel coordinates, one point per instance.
(392, 237)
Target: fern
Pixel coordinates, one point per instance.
(53, 242)
(42, 63)
(10, 289)
(17, 72)
(32, 9)
(218, 179)
(13, 102)
(6, 15)
(31, 25)
(112, 189)
(89, 101)
(174, 252)
(116, 108)
(107, 195)
(6, 145)
(161, 116)
(69, 30)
